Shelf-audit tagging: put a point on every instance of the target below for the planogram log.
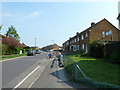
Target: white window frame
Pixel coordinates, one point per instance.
(103, 34)
(78, 38)
(83, 46)
(86, 34)
(78, 47)
(75, 39)
(82, 37)
(86, 48)
(74, 48)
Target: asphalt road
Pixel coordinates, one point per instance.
(13, 71)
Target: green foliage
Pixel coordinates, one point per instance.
(96, 69)
(85, 54)
(0, 28)
(12, 33)
(5, 49)
(27, 48)
(12, 56)
(17, 50)
(95, 84)
(96, 48)
(115, 57)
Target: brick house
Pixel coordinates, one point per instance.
(52, 47)
(103, 30)
(118, 14)
(1, 36)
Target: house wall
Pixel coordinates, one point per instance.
(94, 33)
(85, 41)
(104, 26)
(119, 14)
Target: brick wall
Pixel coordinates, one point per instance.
(95, 32)
(104, 26)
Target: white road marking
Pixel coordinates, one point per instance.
(36, 79)
(25, 78)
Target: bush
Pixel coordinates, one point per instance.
(115, 57)
(5, 49)
(85, 55)
(96, 49)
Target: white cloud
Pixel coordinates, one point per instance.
(21, 17)
(9, 14)
(32, 15)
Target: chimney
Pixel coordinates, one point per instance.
(77, 33)
(92, 24)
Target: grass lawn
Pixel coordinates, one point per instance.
(98, 70)
(11, 56)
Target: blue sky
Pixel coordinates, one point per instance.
(54, 22)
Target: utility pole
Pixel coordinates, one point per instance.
(35, 41)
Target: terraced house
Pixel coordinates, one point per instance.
(103, 30)
(118, 15)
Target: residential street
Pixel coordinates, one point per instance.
(34, 72)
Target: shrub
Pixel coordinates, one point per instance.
(84, 55)
(5, 49)
(11, 42)
(96, 48)
(115, 57)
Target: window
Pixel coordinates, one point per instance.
(86, 34)
(74, 48)
(78, 38)
(103, 34)
(82, 37)
(109, 32)
(75, 39)
(86, 48)
(78, 47)
(83, 47)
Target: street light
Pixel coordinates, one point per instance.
(35, 41)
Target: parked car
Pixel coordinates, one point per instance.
(30, 53)
(38, 52)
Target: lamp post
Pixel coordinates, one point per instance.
(35, 41)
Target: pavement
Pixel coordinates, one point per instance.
(55, 77)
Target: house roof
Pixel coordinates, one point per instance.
(100, 22)
(96, 25)
(118, 16)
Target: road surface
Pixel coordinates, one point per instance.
(14, 71)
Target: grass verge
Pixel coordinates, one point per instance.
(11, 56)
(97, 69)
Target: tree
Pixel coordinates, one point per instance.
(0, 28)
(12, 33)
(10, 45)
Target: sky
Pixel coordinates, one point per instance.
(54, 22)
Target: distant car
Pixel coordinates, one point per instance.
(38, 52)
(30, 53)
